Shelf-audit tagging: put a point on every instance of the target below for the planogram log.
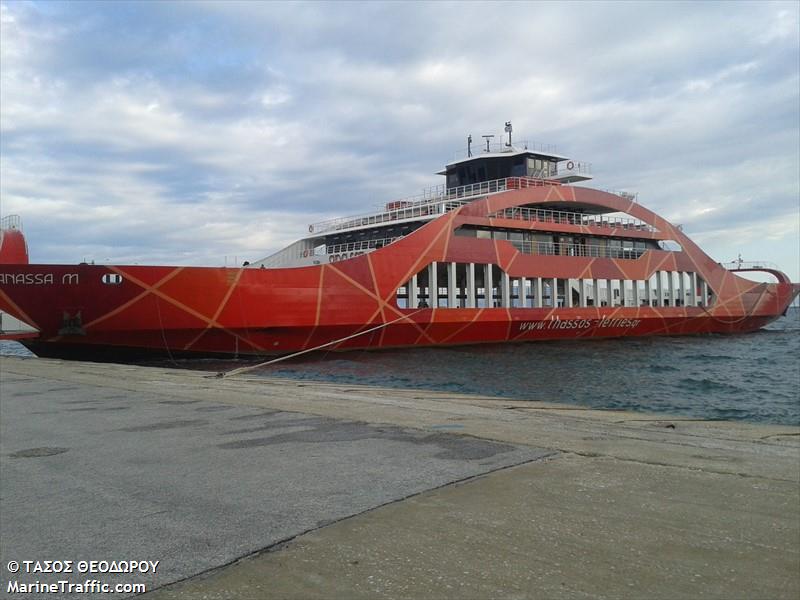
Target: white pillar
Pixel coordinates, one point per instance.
(433, 286)
(622, 291)
(451, 285)
(609, 293)
(412, 292)
(568, 293)
(671, 287)
(471, 286)
(539, 294)
(596, 292)
(704, 293)
(505, 290)
(693, 283)
(554, 292)
(523, 292)
(582, 293)
(682, 287)
(488, 284)
(648, 292)
(659, 289)
(636, 292)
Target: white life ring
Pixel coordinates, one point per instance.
(570, 165)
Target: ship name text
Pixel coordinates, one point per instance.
(36, 278)
(558, 323)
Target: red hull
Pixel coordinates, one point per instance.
(193, 310)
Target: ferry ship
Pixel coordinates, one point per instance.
(508, 249)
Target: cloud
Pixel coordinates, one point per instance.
(188, 132)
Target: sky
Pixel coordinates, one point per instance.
(208, 133)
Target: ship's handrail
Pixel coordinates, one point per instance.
(501, 148)
(433, 201)
(360, 245)
(584, 168)
(582, 250)
(543, 215)
(11, 222)
(741, 265)
(299, 252)
(632, 196)
(420, 210)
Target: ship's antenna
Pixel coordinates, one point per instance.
(469, 146)
(488, 137)
(508, 131)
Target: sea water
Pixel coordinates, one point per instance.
(749, 377)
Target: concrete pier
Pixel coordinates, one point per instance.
(265, 488)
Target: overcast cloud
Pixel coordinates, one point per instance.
(155, 132)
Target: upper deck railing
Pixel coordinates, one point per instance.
(501, 148)
(584, 250)
(359, 246)
(542, 215)
(11, 222)
(741, 265)
(431, 202)
(571, 167)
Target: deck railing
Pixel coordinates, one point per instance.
(438, 200)
(741, 265)
(571, 218)
(432, 202)
(11, 222)
(496, 148)
(362, 245)
(585, 250)
(410, 212)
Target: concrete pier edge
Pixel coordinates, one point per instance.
(703, 507)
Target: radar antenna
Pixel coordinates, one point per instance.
(508, 131)
(469, 146)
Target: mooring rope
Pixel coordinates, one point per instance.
(164, 334)
(246, 368)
